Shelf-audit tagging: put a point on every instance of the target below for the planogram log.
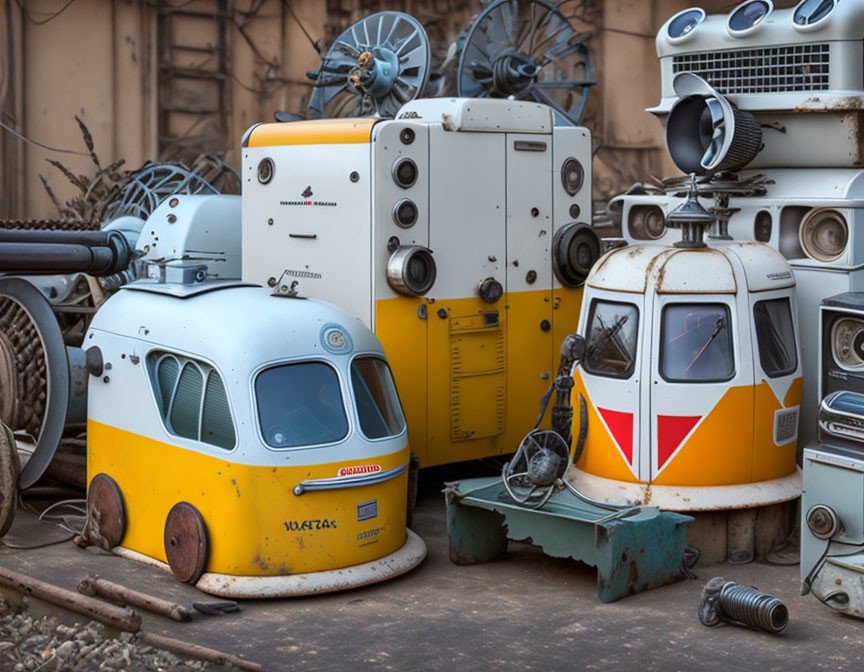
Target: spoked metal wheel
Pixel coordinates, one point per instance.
(373, 68)
(527, 49)
(532, 476)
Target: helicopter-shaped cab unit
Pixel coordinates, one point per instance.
(691, 379)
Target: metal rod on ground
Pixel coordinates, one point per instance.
(196, 651)
(116, 617)
(96, 587)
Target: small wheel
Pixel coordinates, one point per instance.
(9, 468)
(186, 545)
(106, 513)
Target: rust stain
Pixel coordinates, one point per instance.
(236, 487)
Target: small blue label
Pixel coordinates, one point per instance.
(367, 510)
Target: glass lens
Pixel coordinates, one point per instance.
(684, 23)
(811, 11)
(749, 15)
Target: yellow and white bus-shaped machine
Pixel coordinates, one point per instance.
(254, 443)
(692, 374)
(456, 231)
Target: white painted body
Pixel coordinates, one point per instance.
(652, 277)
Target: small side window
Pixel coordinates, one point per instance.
(186, 405)
(167, 369)
(216, 425)
(378, 405)
(696, 343)
(191, 399)
(613, 329)
(775, 334)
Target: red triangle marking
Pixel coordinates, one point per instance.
(621, 426)
(671, 430)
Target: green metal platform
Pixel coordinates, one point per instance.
(633, 549)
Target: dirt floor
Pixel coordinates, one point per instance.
(525, 612)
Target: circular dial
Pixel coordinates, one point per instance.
(847, 343)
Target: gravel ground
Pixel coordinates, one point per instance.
(29, 644)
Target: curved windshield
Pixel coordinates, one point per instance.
(696, 343)
(377, 402)
(300, 405)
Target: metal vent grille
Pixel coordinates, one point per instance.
(769, 70)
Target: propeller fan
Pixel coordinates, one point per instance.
(534, 473)
(527, 49)
(373, 68)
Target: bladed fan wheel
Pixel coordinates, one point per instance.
(527, 49)
(373, 68)
(532, 476)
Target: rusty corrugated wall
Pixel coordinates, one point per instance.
(172, 78)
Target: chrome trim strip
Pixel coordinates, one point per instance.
(348, 481)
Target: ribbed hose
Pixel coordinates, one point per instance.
(749, 606)
(724, 600)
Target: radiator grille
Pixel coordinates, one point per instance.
(768, 70)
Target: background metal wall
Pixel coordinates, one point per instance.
(171, 78)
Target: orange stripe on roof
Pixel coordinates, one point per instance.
(319, 132)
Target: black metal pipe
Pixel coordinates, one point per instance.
(97, 253)
(88, 238)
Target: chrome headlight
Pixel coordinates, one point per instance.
(823, 521)
(572, 176)
(646, 222)
(847, 343)
(824, 234)
(411, 270)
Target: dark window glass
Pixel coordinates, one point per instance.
(613, 330)
(168, 368)
(377, 402)
(179, 384)
(696, 343)
(776, 337)
(186, 406)
(300, 405)
(216, 426)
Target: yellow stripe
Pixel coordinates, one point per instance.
(246, 508)
(320, 132)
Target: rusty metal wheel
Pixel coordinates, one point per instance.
(186, 545)
(8, 478)
(106, 513)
